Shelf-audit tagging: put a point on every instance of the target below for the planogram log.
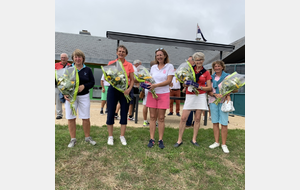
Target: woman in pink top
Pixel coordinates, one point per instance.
(217, 116)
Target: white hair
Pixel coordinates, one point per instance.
(64, 54)
(136, 61)
(198, 55)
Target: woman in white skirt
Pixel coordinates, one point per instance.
(194, 102)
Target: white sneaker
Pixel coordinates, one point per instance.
(90, 140)
(225, 149)
(123, 140)
(72, 143)
(110, 141)
(215, 145)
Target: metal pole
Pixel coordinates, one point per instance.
(118, 42)
(136, 107)
(205, 114)
(221, 52)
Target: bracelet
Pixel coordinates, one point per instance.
(201, 87)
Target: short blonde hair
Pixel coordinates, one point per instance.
(219, 62)
(79, 53)
(198, 55)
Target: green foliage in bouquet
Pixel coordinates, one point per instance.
(185, 72)
(231, 83)
(143, 75)
(67, 83)
(116, 75)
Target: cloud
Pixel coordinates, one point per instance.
(220, 21)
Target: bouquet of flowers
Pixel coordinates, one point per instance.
(142, 75)
(116, 76)
(229, 84)
(186, 74)
(68, 83)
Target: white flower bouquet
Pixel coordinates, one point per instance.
(143, 76)
(229, 84)
(116, 76)
(186, 74)
(67, 83)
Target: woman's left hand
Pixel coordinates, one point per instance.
(218, 96)
(127, 91)
(80, 88)
(227, 97)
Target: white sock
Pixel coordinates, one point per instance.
(145, 121)
(111, 137)
(73, 138)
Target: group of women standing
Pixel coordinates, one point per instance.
(162, 72)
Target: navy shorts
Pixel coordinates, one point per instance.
(113, 97)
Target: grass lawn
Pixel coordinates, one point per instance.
(136, 166)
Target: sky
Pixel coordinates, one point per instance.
(220, 21)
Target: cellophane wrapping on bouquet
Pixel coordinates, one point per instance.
(143, 76)
(116, 76)
(186, 74)
(67, 83)
(229, 84)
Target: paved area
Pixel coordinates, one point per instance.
(236, 122)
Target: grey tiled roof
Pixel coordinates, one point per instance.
(100, 50)
(96, 49)
(211, 56)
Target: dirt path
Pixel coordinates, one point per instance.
(236, 122)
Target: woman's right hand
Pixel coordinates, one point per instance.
(67, 97)
(152, 86)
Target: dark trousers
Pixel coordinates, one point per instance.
(190, 119)
(113, 96)
(134, 91)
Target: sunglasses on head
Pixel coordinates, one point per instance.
(159, 49)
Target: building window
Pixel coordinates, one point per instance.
(97, 89)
